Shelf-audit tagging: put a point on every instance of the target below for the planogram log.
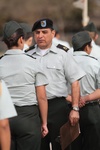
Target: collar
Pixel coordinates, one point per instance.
(80, 53)
(52, 49)
(13, 51)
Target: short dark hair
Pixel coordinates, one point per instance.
(83, 47)
(13, 39)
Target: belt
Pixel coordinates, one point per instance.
(88, 103)
(55, 99)
(25, 106)
(94, 102)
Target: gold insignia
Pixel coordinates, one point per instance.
(63, 47)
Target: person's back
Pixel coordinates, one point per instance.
(22, 73)
(89, 89)
(26, 83)
(91, 66)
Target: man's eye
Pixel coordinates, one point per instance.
(45, 32)
(37, 32)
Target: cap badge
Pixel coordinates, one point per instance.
(43, 23)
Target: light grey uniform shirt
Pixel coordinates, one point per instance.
(60, 68)
(21, 74)
(95, 50)
(90, 65)
(7, 109)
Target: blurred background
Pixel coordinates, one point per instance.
(66, 17)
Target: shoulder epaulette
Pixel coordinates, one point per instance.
(31, 47)
(30, 56)
(63, 47)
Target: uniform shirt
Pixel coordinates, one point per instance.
(7, 109)
(95, 50)
(22, 74)
(60, 68)
(91, 81)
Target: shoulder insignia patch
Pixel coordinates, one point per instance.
(31, 47)
(63, 47)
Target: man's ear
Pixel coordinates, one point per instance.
(53, 33)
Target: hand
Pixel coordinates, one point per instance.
(69, 98)
(44, 130)
(74, 117)
(82, 101)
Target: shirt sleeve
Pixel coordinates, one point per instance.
(73, 72)
(7, 109)
(41, 78)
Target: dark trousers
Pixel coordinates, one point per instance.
(26, 129)
(58, 112)
(89, 138)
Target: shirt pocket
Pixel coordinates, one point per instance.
(54, 66)
(54, 71)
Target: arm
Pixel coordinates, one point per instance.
(93, 96)
(75, 90)
(43, 106)
(4, 134)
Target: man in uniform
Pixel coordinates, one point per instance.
(60, 69)
(26, 83)
(90, 93)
